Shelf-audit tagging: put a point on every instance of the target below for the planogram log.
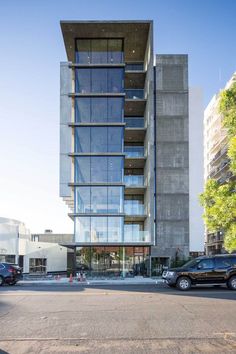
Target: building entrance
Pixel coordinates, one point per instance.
(112, 261)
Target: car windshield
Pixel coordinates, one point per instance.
(191, 263)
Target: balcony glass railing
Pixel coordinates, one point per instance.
(134, 151)
(134, 180)
(134, 94)
(132, 208)
(136, 236)
(134, 122)
(134, 67)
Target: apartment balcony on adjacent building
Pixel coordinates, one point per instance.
(215, 242)
(220, 168)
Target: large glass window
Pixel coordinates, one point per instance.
(115, 139)
(115, 199)
(82, 200)
(99, 229)
(108, 80)
(98, 139)
(82, 229)
(99, 173)
(99, 51)
(99, 199)
(82, 169)
(82, 139)
(115, 169)
(99, 109)
(115, 229)
(99, 169)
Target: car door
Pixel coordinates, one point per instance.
(203, 272)
(222, 264)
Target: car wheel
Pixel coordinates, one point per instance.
(232, 283)
(183, 283)
(1, 280)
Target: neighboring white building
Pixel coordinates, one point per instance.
(196, 180)
(34, 257)
(216, 161)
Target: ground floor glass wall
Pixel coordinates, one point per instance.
(113, 261)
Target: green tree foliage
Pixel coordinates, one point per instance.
(219, 201)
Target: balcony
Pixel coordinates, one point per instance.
(134, 130)
(134, 67)
(134, 151)
(136, 236)
(134, 122)
(132, 208)
(134, 94)
(134, 180)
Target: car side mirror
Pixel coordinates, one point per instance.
(199, 267)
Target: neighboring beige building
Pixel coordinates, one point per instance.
(216, 161)
(34, 257)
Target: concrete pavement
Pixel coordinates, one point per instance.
(113, 319)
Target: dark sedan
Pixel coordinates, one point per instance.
(9, 273)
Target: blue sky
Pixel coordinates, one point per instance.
(31, 48)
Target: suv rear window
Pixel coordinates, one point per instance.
(223, 262)
(233, 261)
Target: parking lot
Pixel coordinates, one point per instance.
(116, 318)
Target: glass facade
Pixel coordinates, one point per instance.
(98, 139)
(97, 80)
(99, 199)
(99, 51)
(99, 109)
(113, 261)
(96, 229)
(99, 209)
(99, 169)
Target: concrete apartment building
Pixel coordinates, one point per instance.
(216, 161)
(124, 148)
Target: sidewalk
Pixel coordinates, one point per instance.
(66, 281)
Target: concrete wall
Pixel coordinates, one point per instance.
(149, 138)
(172, 157)
(196, 179)
(65, 130)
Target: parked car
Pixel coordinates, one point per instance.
(217, 269)
(9, 273)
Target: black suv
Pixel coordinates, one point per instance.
(217, 269)
(9, 273)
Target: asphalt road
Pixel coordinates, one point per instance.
(116, 319)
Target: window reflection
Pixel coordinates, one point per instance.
(98, 109)
(99, 229)
(99, 199)
(98, 139)
(109, 80)
(99, 169)
(99, 51)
